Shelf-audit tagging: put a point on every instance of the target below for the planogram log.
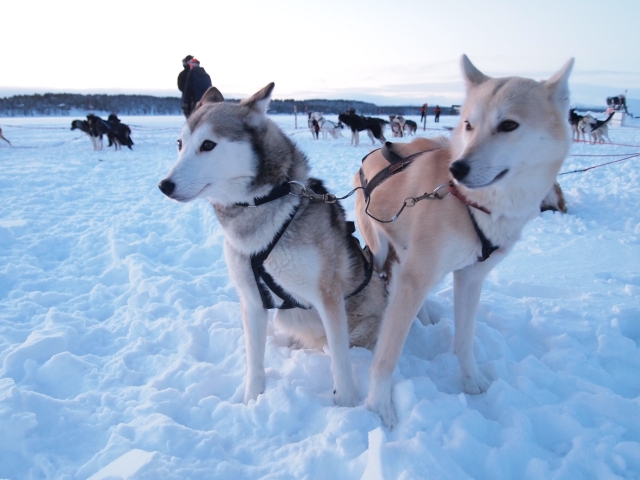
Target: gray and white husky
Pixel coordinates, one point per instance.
(282, 247)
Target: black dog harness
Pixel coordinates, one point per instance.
(398, 164)
(264, 281)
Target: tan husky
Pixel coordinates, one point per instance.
(489, 181)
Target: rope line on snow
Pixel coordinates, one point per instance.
(580, 170)
(33, 128)
(47, 146)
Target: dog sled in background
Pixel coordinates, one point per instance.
(618, 103)
(358, 123)
(596, 130)
(288, 252)
(486, 184)
(318, 124)
(118, 133)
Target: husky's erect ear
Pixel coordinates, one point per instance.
(558, 85)
(212, 95)
(471, 74)
(259, 101)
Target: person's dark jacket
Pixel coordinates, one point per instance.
(182, 78)
(197, 82)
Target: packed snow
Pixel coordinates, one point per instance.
(122, 352)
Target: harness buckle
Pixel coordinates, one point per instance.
(329, 198)
(299, 186)
(436, 192)
(410, 201)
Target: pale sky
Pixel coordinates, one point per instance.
(387, 52)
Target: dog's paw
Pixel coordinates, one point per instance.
(252, 390)
(346, 397)
(475, 384)
(385, 409)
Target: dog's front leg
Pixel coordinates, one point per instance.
(467, 287)
(408, 289)
(254, 319)
(334, 319)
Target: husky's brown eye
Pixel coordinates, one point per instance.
(467, 126)
(508, 126)
(179, 145)
(207, 146)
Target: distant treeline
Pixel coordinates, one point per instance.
(66, 104)
(63, 104)
(363, 108)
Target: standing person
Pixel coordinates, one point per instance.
(437, 111)
(422, 113)
(182, 76)
(196, 83)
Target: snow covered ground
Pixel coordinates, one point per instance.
(122, 351)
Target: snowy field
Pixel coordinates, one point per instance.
(122, 352)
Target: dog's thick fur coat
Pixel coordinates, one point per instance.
(504, 155)
(232, 154)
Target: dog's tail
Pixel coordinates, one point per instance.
(600, 123)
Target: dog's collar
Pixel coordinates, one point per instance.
(277, 192)
(456, 193)
(487, 246)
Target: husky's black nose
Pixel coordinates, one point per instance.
(167, 187)
(459, 169)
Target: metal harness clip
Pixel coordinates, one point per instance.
(300, 186)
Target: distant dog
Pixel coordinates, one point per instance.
(314, 126)
(574, 121)
(83, 126)
(410, 127)
(282, 249)
(3, 137)
(119, 133)
(397, 123)
(318, 124)
(598, 130)
(358, 123)
(98, 128)
(484, 185)
(327, 127)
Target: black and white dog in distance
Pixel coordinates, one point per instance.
(358, 123)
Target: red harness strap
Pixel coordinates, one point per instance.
(456, 193)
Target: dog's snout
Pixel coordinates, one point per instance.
(459, 169)
(167, 187)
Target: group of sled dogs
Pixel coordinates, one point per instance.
(117, 133)
(357, 123)
(288, 244)
(586, 126)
